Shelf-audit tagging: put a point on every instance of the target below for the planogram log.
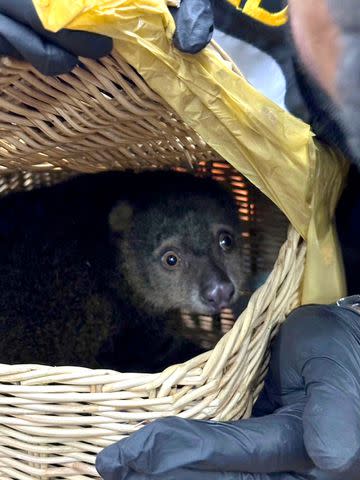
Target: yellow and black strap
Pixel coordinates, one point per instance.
(254, 9)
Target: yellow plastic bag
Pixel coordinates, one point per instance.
(273, 149)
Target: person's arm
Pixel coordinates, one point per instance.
(22, 36)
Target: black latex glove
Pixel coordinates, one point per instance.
(310, 421)
(22, 36)
(194, 25)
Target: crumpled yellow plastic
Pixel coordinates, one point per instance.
(273, 149)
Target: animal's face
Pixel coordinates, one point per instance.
(198, 269)
(184, 253)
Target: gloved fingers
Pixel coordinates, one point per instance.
(22, 11)
(322, 331)
(45, 57)
(6, 49)
(78, 43)
(323, 345)
(81, 44)
(332, 417)
(194, 25)
(312, 333)
(189, 474)
(260, 445)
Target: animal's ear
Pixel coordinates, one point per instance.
(120, 217)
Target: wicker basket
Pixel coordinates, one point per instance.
(53, 420)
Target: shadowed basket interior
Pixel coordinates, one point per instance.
(53, 420)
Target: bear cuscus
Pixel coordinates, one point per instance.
(93, 268)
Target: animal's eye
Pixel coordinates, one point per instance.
(226, 241)
(170, 260)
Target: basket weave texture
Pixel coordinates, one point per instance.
(101, 116)
(53, 420)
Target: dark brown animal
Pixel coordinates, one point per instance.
(92, 269)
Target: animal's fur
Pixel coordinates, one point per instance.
(81, 278)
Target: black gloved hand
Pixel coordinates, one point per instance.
(22, 36)
(194, 25)
(310, 423)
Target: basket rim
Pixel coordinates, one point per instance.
(292, 252)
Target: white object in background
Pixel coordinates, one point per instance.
(259, 68)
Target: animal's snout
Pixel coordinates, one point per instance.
(218, 295)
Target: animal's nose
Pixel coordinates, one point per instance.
(219, 295)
